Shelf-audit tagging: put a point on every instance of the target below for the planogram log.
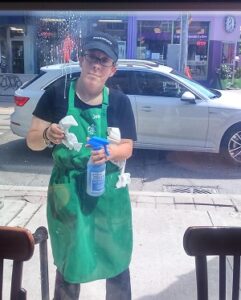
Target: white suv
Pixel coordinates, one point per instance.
(171, 111)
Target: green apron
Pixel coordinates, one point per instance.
(91, 237)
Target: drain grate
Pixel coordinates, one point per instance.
(191, 189)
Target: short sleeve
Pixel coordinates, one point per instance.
(44, 107)
(121, 115)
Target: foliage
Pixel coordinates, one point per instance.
(225, 71)
(237, 73)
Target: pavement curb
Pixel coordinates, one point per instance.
(23, 188)
(134, 193)
(141, 197)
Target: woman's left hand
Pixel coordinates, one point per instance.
(98, 156)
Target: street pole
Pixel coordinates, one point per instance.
(183, 42)
(234, 63)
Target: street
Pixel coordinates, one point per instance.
(151, 171)
(168, 193)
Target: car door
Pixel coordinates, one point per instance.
(164, 120)
(123, 81)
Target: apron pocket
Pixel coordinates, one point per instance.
(62, 202)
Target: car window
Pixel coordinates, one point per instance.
(153, 84)
(27, 83)
(120, 81)
(172, 88)
(192, 83)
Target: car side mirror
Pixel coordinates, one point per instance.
(188, 97)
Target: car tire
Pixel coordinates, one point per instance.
(231, 145)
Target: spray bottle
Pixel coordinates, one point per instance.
(96, 173)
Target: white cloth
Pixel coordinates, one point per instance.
(70, 140)
(114, 137)
(124, 178)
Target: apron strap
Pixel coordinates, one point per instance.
(71, 95)
(105, 104)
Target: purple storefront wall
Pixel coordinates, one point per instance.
(217, 33)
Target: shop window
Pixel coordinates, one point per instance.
(122, 49)
(228, 53)
(3, 50)
(17, 57)
(3, 33)
(228, 62)
(117, 27)
(176, 32)
(153, 39)
(58, 41)
(3, 57)
(197, 39)
(198, 49)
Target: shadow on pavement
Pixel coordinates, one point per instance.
(148, 165)
(155, 164)
(185, 286)
(16, 156)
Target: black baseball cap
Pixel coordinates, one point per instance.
(101, 41)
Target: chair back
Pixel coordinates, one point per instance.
(222, 241)
(16, 244)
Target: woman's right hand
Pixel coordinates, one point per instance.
(42, 132)
(55, 134)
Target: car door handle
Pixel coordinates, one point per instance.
(146, 108)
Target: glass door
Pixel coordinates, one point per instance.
(3, 50)
(17, 56)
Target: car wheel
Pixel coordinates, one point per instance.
(231, 145)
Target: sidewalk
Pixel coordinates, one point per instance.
(160, 269)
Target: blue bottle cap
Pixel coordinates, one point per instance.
(97, 143)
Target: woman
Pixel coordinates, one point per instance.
(91, 237)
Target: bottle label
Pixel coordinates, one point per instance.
(97, 181)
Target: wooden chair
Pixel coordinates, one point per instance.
(203, 241)
(18, 244)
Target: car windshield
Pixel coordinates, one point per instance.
(195, 85)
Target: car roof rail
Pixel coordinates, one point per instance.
(138, 62)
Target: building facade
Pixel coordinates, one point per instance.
(29, 40)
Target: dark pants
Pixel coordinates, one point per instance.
(117, 288)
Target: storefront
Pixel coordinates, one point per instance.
(156, 40)
(41, 38)
(12, 48)
(36, 39)
(213, 39)
(17, 53)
